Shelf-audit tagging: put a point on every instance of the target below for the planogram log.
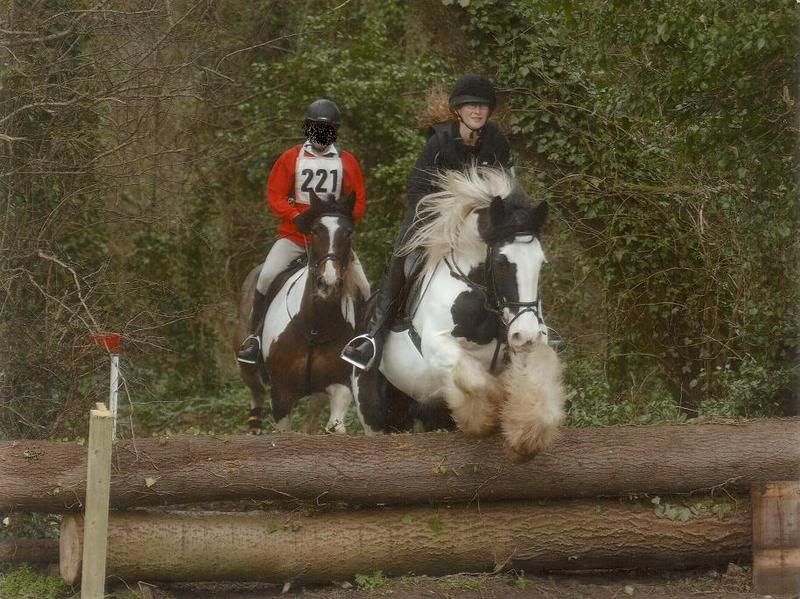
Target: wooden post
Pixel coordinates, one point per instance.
(776, 537)
(98, 480)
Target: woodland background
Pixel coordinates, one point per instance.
(135, 140)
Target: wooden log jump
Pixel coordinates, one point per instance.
(404, 469)
(29, 550)
(565, 535)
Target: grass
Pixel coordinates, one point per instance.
(222, 413)
(370, 582)
(24, 583)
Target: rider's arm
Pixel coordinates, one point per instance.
(280, 186)
(499, 148)
(420, 181)
(354, 183)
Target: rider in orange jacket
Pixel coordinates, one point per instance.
(316, 165)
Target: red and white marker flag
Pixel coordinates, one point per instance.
(111, 343)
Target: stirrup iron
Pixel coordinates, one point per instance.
(246, 360)
(355, 362)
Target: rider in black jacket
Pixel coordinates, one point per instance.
(453, 145)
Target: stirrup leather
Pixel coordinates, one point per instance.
(355, 362)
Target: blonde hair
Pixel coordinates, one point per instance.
(436, 109)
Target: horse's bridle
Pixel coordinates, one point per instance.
(343, 264)
(312, 336)
(534, 306)
(492, 302)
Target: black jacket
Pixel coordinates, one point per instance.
(446, 150)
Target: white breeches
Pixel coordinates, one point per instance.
(284, 251)
(280, 255)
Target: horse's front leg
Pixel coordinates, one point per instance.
(341, 398)
(252, 378)
(472, 394)
(534, 407)
(282, 405)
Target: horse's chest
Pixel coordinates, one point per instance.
(295, 355)
(471, 320)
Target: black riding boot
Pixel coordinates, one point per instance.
(251, 346)
(365, 350)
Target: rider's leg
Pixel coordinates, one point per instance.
(361, 351)
(364, 350)
(280, 255)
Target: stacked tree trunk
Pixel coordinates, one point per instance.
(479, 511)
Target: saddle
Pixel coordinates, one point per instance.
(409, 298)
(295, 265)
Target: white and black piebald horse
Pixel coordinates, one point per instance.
(310, 318)
(474, 341)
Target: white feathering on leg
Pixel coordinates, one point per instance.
(534, 407)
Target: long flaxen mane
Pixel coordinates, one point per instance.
(441, 216)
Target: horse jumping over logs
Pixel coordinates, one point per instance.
(311, 316)
(473, 339)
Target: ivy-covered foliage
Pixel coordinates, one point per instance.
(664, 135)
(135, 145)
(369, 63)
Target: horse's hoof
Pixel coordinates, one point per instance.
(255, 430)
(484, 430)
(523, 444)
(519, 457)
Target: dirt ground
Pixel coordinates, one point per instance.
(734, 583)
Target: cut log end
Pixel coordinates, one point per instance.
(71, 548)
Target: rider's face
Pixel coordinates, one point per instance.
(474, 115)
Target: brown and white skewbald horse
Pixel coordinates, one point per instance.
(310, 318)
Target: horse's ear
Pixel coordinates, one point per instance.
(539, 216)
(316, 201)
(497, 210)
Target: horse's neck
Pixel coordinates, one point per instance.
(468, 255)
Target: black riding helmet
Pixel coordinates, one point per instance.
(323, 111)
(473, 89)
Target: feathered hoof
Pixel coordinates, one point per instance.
(517, 458)
(524, 443)
(253, 430)
(483, 428)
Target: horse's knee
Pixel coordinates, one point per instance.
(473, 397)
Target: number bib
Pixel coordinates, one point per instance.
(320, 174)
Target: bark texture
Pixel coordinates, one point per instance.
(285, 546)
(409, 468)
(29, 550)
